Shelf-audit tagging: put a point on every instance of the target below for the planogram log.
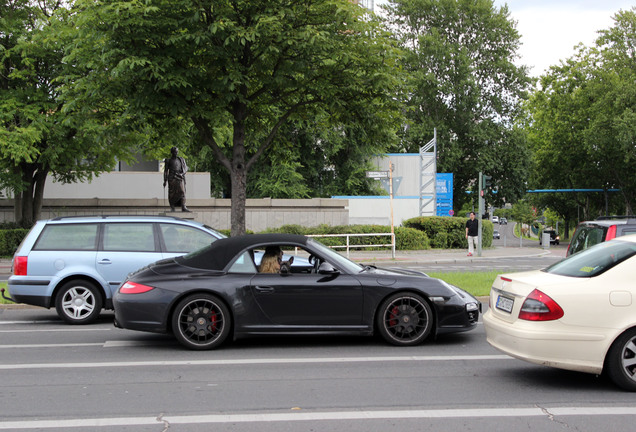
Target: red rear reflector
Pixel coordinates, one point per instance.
(505, 279)
(540, 307)
(20, 265)
(134, 288)
(611, 233)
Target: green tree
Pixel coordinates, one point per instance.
(38, 137)
(236, 71)
(463, 81)
(583, 125)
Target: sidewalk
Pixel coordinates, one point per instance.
(438, 256)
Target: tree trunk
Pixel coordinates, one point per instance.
(239, 197)
(28, 202)
(238, 172)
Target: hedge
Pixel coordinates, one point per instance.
(405, 238)
(449, 232)
(10, 240)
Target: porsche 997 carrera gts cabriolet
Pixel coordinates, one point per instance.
(219, 292)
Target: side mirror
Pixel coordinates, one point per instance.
(327, 269)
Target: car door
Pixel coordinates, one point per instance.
(125, 247)
(313, 300)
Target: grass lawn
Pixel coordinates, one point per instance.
(6, 292)
(476, 283)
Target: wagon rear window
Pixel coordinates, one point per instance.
(68, 237)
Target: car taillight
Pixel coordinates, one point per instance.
(611, 233)
(540, 307)
(134, 288)
(20, 265)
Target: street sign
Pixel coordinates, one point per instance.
(378, 174)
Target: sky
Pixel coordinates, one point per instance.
(550, 29)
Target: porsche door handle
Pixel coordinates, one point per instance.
(264, 289)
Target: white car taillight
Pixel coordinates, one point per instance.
(538, 306)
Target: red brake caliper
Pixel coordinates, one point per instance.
(393, 317)
(213, 320)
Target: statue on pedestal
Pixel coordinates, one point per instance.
(174, 172)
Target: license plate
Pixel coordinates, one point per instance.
(504, 303)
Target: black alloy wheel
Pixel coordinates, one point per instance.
(201, 322)
(405, 319)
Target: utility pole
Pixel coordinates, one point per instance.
(484, 183)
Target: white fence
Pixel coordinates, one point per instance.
(348, 245)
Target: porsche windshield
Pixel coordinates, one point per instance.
(335, 258)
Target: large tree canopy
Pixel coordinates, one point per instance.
(583, 124)
(38, 135)
(460, 59)
(236, 71)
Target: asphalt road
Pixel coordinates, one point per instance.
(56, 377)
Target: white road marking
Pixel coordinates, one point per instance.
(320, 416)
(251, 361)
(56, 345)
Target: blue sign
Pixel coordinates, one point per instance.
(444, 193)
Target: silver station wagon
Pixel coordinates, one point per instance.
(75, 264)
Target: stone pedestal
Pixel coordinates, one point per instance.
(180, 214)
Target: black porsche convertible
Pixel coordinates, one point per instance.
(218, 292)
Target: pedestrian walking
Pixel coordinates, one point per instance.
(472, 233)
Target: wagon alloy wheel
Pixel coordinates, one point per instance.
(78, 302)
(201, 322)
(405, 319)
(621, 361)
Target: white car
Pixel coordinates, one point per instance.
(579, 314)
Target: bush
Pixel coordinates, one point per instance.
(10, 239)
(448, 232)
(405, 238)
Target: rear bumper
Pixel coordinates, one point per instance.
(577, 351)
(34, 292)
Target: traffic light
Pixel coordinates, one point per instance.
(486, 182)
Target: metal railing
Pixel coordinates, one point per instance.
(348, 246)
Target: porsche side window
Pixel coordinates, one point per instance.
(243, 264)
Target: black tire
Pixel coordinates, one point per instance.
(201, 322)
(405, 319)
(78, 302)
(621, 361)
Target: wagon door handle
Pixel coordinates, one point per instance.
(104, 261)
(264, 289)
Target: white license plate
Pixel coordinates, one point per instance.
(504, 303)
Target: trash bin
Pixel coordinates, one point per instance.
(545, 240)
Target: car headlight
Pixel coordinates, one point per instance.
(470, 307)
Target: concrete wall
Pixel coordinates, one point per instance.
(127, 185)
(260, 213)
(377, 209)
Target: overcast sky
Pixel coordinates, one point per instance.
(551, 28)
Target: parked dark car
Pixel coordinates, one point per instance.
(554, 237)
(216, 293)
(589, 233)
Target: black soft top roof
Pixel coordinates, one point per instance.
(220, 253)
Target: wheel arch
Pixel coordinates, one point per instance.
(85, 278)
(408, 291)
(613, 342)
(176, 300)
